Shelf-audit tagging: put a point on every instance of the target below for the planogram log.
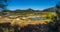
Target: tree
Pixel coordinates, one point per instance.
(58, 15)
(58, 10)
(58, 5)
(3, 4)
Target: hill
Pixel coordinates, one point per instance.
(52, 9)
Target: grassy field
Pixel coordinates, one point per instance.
(23, 22)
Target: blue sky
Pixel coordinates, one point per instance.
(34, 4)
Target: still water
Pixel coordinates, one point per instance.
(35, 18)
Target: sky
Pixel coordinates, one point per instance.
(33, 4)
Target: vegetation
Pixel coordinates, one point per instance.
(33, 26)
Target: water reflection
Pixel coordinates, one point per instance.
(36, 18)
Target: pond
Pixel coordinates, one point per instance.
(35, 18)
